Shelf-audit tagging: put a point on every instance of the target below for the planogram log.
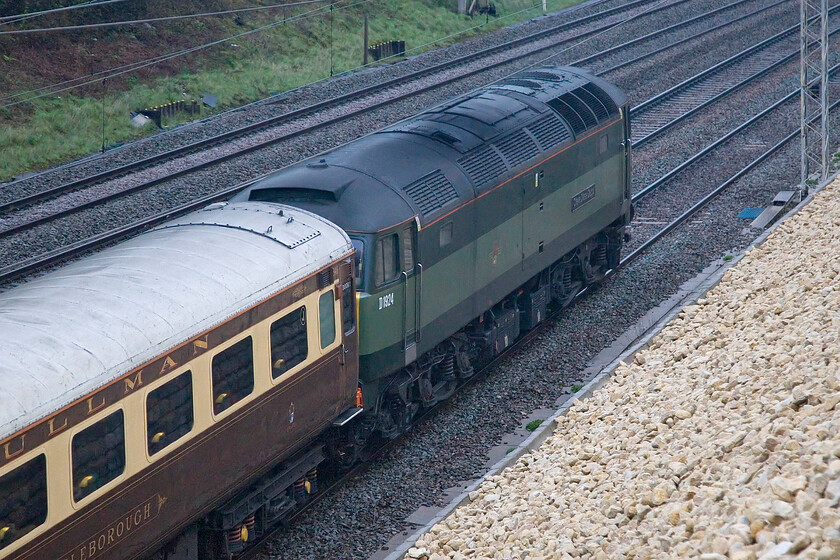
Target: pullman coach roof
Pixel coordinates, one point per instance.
(78, 328)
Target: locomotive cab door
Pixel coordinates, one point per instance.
(412, 284)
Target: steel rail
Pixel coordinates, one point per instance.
(656, 34)
(527, 337)
(17, 270)
(720, 141)
(706, 85)
(282, 138)
(322, 105)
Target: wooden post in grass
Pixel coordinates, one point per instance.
(366, 41)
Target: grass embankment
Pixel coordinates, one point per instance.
(58, 128)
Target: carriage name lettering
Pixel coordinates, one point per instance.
(117, 530)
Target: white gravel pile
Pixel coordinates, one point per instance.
(721, 440)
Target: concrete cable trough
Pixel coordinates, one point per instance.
(719, 438)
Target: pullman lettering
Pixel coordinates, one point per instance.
(98, 544)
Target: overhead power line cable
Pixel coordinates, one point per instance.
(163, 58)
(158, 19)
(128, 68)
(29, 15)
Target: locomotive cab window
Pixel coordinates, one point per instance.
(169, 412)
(23, 500)
(233, 375)
(387, 266)
(98, 454)
(359, 259)
(326, 318)
(348, 308)
(289, 345)
(407, 236)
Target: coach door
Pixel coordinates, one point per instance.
(412, 283)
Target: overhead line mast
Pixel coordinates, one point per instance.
(813, 95)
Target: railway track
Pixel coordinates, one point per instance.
(696, 206)
(72, 249)
(653, 116)
(694, 202)
(289, 116)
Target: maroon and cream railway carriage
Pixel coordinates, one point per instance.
(167, 393)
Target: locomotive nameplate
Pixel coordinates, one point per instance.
(119, 529)
(583, 197)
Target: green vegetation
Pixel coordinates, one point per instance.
(727, 258)
(50, 130)
(533, 425)
(576, 388)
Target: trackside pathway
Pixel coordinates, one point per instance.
(720, 441)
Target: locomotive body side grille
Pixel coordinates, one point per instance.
(549, 131)
(483, 165)
(432, 192)
(517, 148)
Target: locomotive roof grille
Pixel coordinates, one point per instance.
(601, 112)
(603, 97)
(567, 112)
(550, 131)
(517, 148)
(432, 192)
(581, 108)
(584, 107)
(524, 83)
(547, 76)
(483, 165)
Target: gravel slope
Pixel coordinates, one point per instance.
(721, 440)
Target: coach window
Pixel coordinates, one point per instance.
(233, 375)
(386, 268)
(23, 500)
(289, 345)
(603, 144)
(98, 454)
(169, 412)
(326, 318)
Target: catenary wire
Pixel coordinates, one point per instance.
(89, 4)
(127, 68)
(158, 19)
(176, 54)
